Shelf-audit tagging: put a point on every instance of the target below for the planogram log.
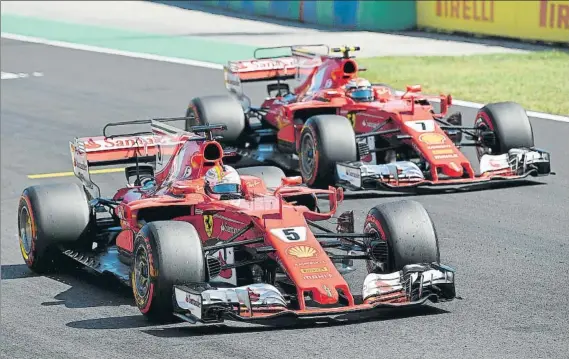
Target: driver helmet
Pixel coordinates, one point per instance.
(223, 182)
(360, 90)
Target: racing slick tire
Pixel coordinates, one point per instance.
(510, 124)
(50, 216)
(218, 109)
(325, 140)
(406, 234)
(165, 253)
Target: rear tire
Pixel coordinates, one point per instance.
(510, 123)
(165, 253)
(49, 216)
(325, 140)
(219, 109)
(407, 235)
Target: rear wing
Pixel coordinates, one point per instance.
(270, 68)
(141, 147)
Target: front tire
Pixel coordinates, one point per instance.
(511, 126)
(325, 140)
(49, 216)
(165, 253)
(406, 234)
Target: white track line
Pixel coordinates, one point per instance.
(8, 76)
(208, 65)
(104, 50)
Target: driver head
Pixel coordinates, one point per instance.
(360, 90)
(223, 182)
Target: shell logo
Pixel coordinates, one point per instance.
(302, 252)
(432, 138)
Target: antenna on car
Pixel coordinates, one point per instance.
(207, 130)
(345, 50)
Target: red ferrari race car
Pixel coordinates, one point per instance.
(339, 129)
(198, 240)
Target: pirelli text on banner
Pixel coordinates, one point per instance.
(541, 20)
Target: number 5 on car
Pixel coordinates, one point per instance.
(292, 234)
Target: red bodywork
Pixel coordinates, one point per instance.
(321, 90)
(180, 184)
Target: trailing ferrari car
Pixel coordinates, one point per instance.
(198, 240)
(336, 128)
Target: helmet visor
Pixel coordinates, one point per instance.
(363, 94)
(224, 188)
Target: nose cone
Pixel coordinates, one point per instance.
(453, 170)
(325, 294)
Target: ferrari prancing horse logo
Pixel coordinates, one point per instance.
(352, 117)
(208, 224)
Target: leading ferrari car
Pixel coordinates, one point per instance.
(202, 242)
(338, 129)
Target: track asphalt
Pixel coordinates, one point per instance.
(509, 245)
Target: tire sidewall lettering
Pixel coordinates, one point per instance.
(28, 257)
(144, 303)
(373, 223)
(312, 133)
(483, 118)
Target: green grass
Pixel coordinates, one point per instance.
(539, 81)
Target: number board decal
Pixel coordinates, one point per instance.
(422, 126)
(291, 234)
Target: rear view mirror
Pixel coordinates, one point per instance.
(278, 90)
(414, 88)
(291, 181)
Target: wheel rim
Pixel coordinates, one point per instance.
(308, 161)
(484, 124)
(482, 149)
(141, 273)
(370, 263)
(25, 228)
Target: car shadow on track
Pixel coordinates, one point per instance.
(85, 289)
(122, 322)
(189, 330)
(16, 271)
(88, 290)
(220, 329)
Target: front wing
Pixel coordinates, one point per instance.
(264, 304)
(515, 166)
